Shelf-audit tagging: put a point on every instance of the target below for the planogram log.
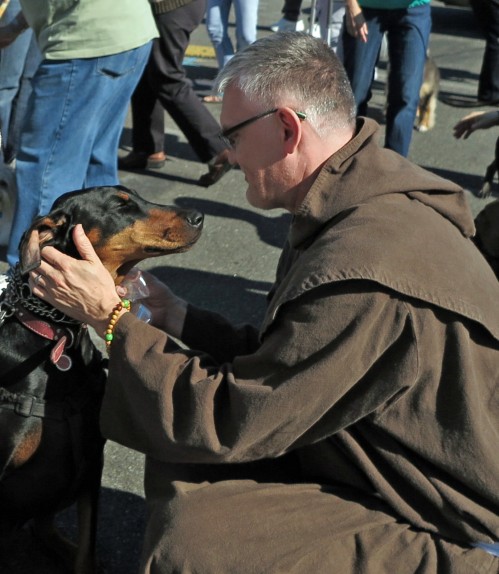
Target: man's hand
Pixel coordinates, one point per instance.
(168, 311)
(82, 289)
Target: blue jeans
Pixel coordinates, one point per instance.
(408, 32)
(18, 64)
(217, 25)
(71, 134)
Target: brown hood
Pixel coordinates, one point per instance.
(361, 171)
(372, 215)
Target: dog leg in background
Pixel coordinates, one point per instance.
(54, 542)
(492, 170)
(487, 234)
(428, 96)
(8, 197)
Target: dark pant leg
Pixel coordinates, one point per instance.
(487, 14)
(174, 90)
(148, 132)
(291, 10)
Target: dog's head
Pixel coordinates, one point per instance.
(122, 227)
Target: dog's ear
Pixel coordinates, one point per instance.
(53, 229)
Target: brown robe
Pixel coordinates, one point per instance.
(357, 431)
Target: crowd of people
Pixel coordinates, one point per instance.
(356, 428)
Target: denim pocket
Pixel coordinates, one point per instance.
(118, 65)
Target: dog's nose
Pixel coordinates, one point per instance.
(194, 218)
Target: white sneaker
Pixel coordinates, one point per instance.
(288, 26)
(3, 282)
(316, 31)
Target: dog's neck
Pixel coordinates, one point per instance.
(18, 294)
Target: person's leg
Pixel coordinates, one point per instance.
(120, 75)
(291, 18)
(169, 81)
(487, 14)
(291, 10)
(360, 58)
(20, 104)
(12, 61)
(148, 126)
(71, 133)
(246, 12)
(217, 26)
(246, 527)
(408, 36)
(336, 23)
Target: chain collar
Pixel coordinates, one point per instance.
(18, 294)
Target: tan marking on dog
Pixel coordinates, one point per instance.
(27, 447)
(162, 230)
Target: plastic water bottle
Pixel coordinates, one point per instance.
(136, 289)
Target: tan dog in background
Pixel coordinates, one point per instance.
(428, 96)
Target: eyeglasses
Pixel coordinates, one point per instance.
(229, 141)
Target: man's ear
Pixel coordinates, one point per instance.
(46, 230)
(292, 128)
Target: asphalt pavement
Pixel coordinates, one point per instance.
(232, 266)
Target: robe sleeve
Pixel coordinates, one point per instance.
(320, 367)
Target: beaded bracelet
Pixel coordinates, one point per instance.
(109, 336)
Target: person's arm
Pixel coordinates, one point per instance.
(475, 121)
(12, 30)
(354, 19)
(314, 373)
(196, 327)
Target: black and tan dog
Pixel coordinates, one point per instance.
(51, 375)
(491, 171)
(487, 234)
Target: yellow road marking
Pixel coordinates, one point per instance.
(200, 52)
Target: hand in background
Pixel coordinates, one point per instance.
(475, 121)
(355, 22)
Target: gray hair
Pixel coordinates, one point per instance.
(296, 70)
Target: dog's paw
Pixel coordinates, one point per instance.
(486, 189)
(422, 128)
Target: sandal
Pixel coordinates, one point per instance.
(217, 168)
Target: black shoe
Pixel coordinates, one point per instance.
(217, 168)
(142, 160)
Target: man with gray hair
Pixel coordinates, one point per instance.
(356, 430)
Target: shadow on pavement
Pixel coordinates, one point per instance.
(120, 532)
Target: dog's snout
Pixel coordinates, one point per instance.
(194, 218)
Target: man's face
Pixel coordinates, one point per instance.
(257, 148)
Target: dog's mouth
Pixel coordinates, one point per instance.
(155, 250)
